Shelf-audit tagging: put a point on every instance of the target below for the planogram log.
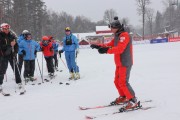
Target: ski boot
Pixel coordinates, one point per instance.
(76, 76)
(132, 104)
(119, 101)
(56, 68)
(51, 75)
(20, 89)
(32, 78)
(27, 79)
(71, 76)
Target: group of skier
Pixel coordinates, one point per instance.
(120, 46)
(27, 48)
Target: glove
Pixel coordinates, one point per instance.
(24, 52)
(35, 52)
(103, 50)
(77, 51)
(61, 51)
(95, 46)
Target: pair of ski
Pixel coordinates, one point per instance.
(8, 94)
(140, 107)
(63, 83)
(31, 82)
(50, 78)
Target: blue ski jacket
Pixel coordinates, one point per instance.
(71, 47)
(29, 46)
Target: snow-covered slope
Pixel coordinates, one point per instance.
(155, 75)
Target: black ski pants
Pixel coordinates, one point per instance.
(29, 67)
(20, 61)
(4, 65)
(49, 63)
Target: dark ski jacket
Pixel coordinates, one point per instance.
(5, 44)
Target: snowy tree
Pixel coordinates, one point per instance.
(142, 6)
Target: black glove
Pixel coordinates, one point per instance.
(61, 51)
(95, 46)
(103, 50)
(42, 49)
(35, 52)
(24, 52)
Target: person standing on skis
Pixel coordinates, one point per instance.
(8, 53)
(71, 48)
(121, 47)
(48, 51)
(29, 48)
(20, 54)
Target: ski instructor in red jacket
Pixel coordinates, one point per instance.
(121, 47)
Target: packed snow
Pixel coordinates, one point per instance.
(154, 76)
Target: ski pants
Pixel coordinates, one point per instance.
(20, 61)
(29, 67)
(70, 60)
(121, 82)
(4, 65)
(49, 63)
(55, 60)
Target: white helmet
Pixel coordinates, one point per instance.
(5, 25)
(25, 31)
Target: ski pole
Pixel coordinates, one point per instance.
(40, 70)
(62, 61)
(16, 63)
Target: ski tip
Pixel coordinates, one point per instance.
(39, 83)
(89, 117)
(82, 108)
(7, 94)
(67, 84)
(60, 83)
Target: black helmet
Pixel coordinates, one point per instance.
(115, 24)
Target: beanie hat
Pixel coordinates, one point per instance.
(115, 23)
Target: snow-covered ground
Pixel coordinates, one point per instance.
(155, 75)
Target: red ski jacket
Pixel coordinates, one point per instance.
(47, 50)
(121, 47)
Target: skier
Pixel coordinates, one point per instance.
(55, 47)
(29, 48)
(20, 55)
(8, 53)
(71, 48)
(121, 47)
(47, 49)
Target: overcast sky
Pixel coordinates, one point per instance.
(94, 9)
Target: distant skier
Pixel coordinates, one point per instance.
(47, 49)
(121, 47)
(71, 48)
(8, 53)
(55, 47)
(29, 48)
(20, 54)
